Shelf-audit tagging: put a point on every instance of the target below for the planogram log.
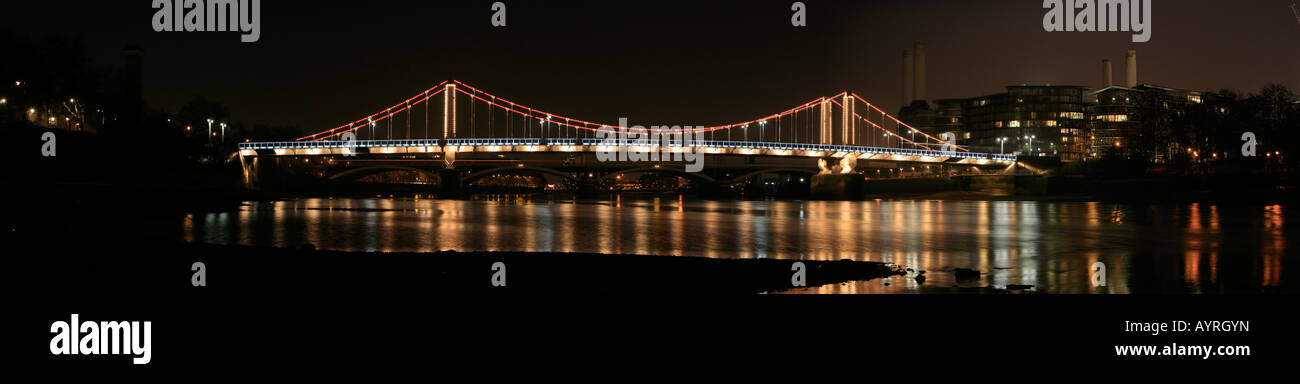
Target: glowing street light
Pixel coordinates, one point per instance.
(210, 121)
(223, 132)
(1003, 141)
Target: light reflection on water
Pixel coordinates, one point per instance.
(1050, 245)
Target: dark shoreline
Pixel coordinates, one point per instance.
(543, 272)
(257, 269)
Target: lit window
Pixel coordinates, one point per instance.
(1015, 124)
(1050, 123)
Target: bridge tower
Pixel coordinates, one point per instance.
(825, 134)
(449, 111)
(846, 121)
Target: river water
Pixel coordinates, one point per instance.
(1051, 246)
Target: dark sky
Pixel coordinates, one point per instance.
(660, 62)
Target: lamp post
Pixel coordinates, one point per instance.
(210, 131)
(1003, 141)
(1031, 143)
(223, 132)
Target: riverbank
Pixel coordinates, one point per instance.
(253, 269)
(541, 272)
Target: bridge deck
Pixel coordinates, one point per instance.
(712, 147)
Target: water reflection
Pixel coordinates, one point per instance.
(1195, 248)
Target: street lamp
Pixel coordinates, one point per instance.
(223, 132)
(210, 131)
(1031, 143)
(1003, 141)
(761, 126)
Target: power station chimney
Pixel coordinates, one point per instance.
(1107, 79)
(908, 84)
(919, 82)
(1132, 68)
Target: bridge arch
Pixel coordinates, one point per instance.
(376, 169)
(694, 176)
(506, 170)
(773, 170)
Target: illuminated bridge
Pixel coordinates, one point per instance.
(456, 130)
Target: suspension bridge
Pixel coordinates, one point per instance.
(455, 130)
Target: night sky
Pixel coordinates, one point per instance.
(659, 62)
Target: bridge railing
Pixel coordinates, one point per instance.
(830, 149)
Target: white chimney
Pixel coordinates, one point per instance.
(1132, 68)
(919, 83)
(908, 78)
(1107, 79)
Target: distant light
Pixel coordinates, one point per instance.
(4, 101)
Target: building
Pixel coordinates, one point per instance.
(948, 118)
(1130, 120)
(1029, 120)
(1135, 120)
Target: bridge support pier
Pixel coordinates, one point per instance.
(838, 186)
(450, 184)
